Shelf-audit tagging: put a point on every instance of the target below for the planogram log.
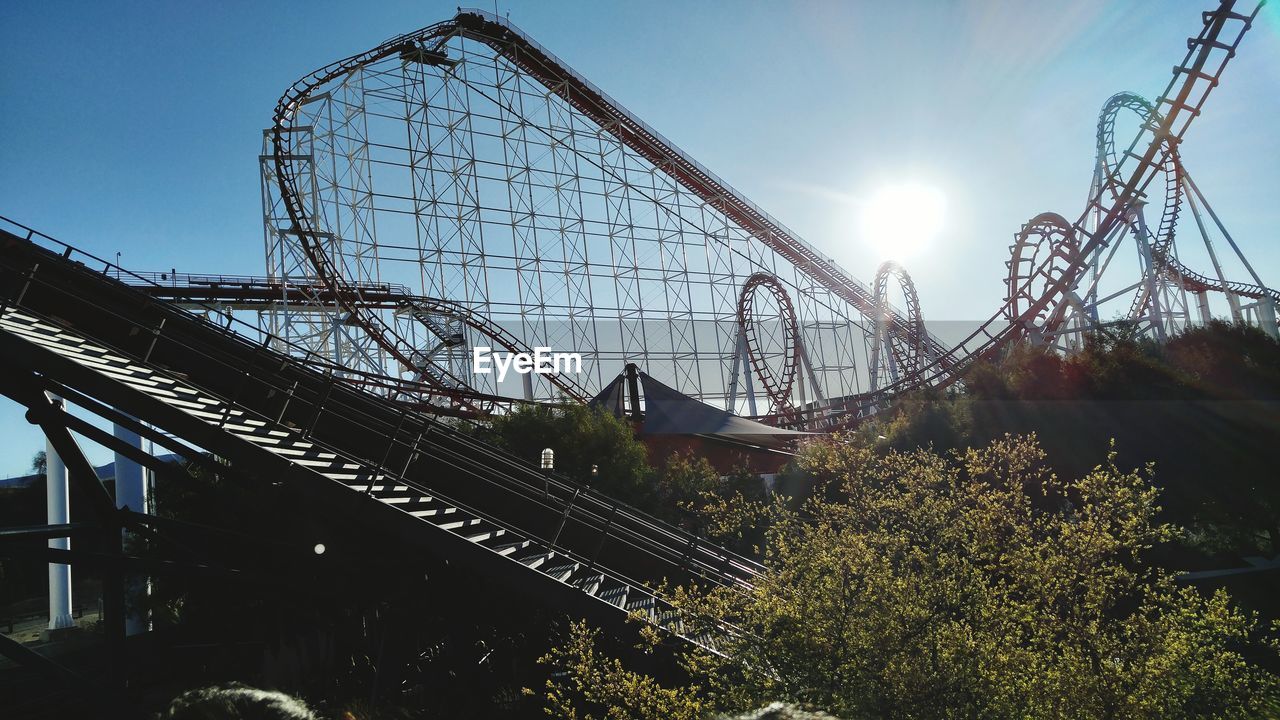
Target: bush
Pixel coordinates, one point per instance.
(970, 584)
(581, 437)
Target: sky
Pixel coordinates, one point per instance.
(135, 127)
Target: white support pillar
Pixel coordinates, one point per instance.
(1267, 317)
(132, 493)
(1202, 301)
(732, 401)
(131, 480)
(800, 394)
(815, 387)
(59, 513)
(748, 385)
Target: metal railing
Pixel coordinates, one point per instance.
(338, 400)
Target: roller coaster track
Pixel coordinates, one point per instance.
(777, 386)
(1175, 193)
(1192, 280)
(1133, 170)
(523, 52)
(907, 352)
(1183, 99)
(1047, 235)
(258, 293)
(68, 327)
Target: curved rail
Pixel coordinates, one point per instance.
(1134, 168)
(520, 50)
(777, 387)
(256, 292)
(346, 293)
(1172, 167)
(490, 330)
(909, 348)
(1162, 248)
(1047, 235)
(1208, 54)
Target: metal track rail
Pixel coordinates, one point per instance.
(1183, 99)
(395, 469)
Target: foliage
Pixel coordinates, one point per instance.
(1202, 405)
(728, 509)
(581, 437)
(39, 463)
(970, 584)
(596, 686)
(679, 490)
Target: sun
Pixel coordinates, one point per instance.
(900, 221)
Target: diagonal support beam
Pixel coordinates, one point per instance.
(47, 414)
(113, 443)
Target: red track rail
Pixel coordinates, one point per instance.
(259, 292)
(1185, 96)
(522, 51)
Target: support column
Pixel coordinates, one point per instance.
(132, 493)
(59, 513)
(750, 387)
(1267, 317)
(1202, 301)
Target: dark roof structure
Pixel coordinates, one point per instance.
(668, 411)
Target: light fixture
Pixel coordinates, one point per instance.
(319, 548)
(548, 459)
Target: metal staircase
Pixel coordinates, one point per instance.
(78, 332)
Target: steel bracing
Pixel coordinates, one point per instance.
(461, 186)
(467, 163)
(213, 391)
(1137, 278)
(505, 182)
(1049, 277)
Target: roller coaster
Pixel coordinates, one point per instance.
(460, 185)
(528, 197)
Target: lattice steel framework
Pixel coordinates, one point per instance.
(454, 161)
(469, 164)
(1137, 278)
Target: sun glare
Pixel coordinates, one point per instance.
(899, 221)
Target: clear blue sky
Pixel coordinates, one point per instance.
(135, 127)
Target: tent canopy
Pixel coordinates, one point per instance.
(668, 411)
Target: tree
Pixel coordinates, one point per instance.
(595, 685)
(581, 437)
(39, 463)
(729, 509)
(1202, 405)
(966, 584)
